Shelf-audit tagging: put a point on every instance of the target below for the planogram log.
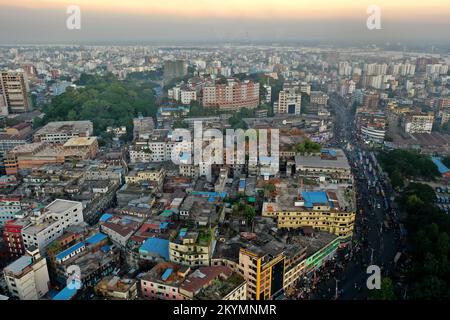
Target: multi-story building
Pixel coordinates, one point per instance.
(163, 282)
(9, 208)
(418, 123)
(14, 93)
(329, 165)
(33, 155)
(12, 236)
(233, 95)
(114, 287)
(48, 225)
(371, 126)
(27, 278)
(318, 98)
(192, 248)
(80, 148)
(331, 210)
(151, 174)
(289, 101)
(175, 69)
(60, 132)
(143, 127)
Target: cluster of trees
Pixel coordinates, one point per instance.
(404, 164)
(237, 122)
(308, 146)
(428, 232)
(105, 101)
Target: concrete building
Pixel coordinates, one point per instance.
(14, 93)
(233, 95)
(418, 123)
(163, 282)
(331, 210)
(60, 132)
(80, 148)
(289, 101)
(174, 69)
(117, 289)
(33, 155)
(27, 278)
(318, 98)
(331, 165)
(48, 225)
(192, 248)
(143, 127)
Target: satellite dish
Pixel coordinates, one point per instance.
(284, 122)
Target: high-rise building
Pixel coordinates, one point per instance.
(14, 93)
(289, 101)
(233, 95)
(174, 69)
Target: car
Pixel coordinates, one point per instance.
(379, 206)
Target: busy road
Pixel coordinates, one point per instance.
(376, 238)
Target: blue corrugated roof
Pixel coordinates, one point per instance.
(441, 167)
(330, 152)
(156, 245)
(314, 197)
(65, 294)
(69, 251)
(105, 217)
(96, 238)
(166, 274)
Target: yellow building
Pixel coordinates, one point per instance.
(192, 248)
(263, 272)
(331, 211)
(156, 175)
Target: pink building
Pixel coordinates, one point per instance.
(163, 282)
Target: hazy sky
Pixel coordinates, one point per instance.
(44, 21)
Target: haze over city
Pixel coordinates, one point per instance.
(38, 21)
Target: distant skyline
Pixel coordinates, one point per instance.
(44, 21)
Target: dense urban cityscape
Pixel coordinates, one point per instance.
(105, 195)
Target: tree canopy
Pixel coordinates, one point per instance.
(105, 101)
(404, 164)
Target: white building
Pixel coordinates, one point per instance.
(48, 225)
(288, 102)
(27, 278)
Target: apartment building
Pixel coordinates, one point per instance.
(48, 225)
(418, 123)
(192, 248)
(330, 165)
(14, 93)
(27, 278)
(232, 95)
(318, 98)
(289, 101)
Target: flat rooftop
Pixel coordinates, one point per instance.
(318, 161)
(65, 126)
(338, 197)
(18, 266)
(80, 142)
(60, 206)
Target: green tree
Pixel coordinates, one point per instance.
(386, 292)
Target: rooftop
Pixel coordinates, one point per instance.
(330, 158)
(18, 266)
(80, 141)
